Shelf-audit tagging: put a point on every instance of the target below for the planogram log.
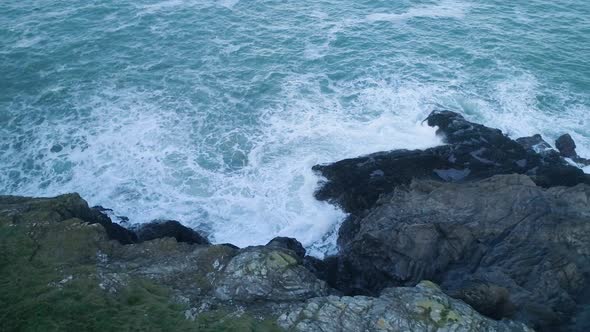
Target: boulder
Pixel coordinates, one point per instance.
(267, 274)
(169, 228)
(566, 146)
(287, 243)
(535, 143)
(421, 308)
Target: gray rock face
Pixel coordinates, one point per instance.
(503, 244)
(421, 308)
(272, 274)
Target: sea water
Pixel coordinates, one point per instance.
(213, 112)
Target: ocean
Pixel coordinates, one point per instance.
(213, 112)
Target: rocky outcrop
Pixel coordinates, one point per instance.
(267, 274)
(502, 225)
(421, 308)
(472, 152)
(73, 275)
(504, 245)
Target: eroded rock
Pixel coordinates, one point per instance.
(267, 273)
(421, 308)
(504, 233)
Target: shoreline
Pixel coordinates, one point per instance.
(464, 215)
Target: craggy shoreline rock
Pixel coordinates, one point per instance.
(504, 245)
(61, 272)
(502, 225)
(454, 214)
(168, 228)
(472, 152)
(567, 149)
(421, 308)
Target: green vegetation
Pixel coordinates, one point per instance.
(52, 279)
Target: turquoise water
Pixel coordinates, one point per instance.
(213, 112)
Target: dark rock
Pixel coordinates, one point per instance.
(229, 245)
(122, 219)
(489, 299)
(114, 230)
(169, 228)
(472, 152)
(325, 269)
(534, 143)
(505, 246)
(56, 148)
(289, 244)
(267, 273)
(566, 146)
(102, 209)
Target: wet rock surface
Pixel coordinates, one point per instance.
(168, 228)
(472, 152)
(567, 149)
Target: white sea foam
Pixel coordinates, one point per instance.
(142, 162)
(126, 140)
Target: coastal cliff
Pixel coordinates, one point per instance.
(484, 233)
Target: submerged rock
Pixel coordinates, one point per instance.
(503, 244)
(421, 308)
(472, 152)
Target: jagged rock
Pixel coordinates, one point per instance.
(535, 143)
(267, 273)
(566, 146)
(64, 207)
(287, 243)
(58, 261)
(169, 228)
(421, 308)
(472, 152)
(504, 233)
